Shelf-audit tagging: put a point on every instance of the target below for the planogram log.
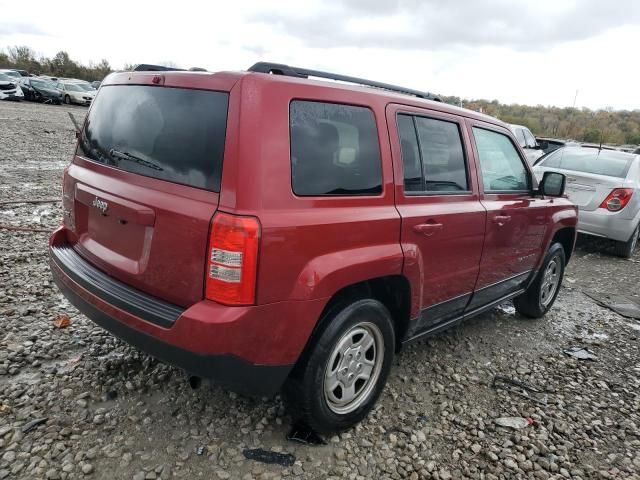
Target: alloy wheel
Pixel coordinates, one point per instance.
(550, 281)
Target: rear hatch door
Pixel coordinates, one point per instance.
(144, 184)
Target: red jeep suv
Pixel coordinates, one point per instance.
(273, 232)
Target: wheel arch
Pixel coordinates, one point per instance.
(393, 291)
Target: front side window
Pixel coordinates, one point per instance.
(501, 166)
(432, 155)
(334, 149)
(520, 137)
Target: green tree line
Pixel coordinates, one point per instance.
(609, 126)
(60, 65)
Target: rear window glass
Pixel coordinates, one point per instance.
(334, 150)
(590, 160)
(171, 134)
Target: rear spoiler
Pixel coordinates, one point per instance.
(146, 67)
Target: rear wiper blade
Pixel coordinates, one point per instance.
(132, 158)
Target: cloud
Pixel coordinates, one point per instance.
(441, 24)
(19, 28)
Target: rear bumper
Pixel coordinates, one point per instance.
(250, 350)
(603, 223)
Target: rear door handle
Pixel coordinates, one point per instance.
(501, 219)
(427, 229)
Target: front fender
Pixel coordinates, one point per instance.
(325, 275)
(563, 216)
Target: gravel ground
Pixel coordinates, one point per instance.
(112, 412)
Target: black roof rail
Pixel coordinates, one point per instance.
(146, 67)
(289, 71)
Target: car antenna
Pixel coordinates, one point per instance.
(601, 137)
(75, 123)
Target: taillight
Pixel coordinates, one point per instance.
(232, 259)
(617, 199)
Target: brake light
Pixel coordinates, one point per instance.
(232, 259)
(617, 199)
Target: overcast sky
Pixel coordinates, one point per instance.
(531, 52)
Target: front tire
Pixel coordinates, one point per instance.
(625, 249)
(67, 99)
(538, 299)
(341, 374)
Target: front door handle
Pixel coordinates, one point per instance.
(427, 229)
(501, 219)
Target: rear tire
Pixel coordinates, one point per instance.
(340, 376)
(67, 99)
(625, 249)
(542, 293)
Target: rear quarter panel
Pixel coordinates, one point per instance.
(310, 247)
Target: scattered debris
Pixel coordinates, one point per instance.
(4, 408)
(110, 395)
(514, 422)
(506, 308)
(267, 456)
(523, 389)
(302, 433)
(618, 303)
(581, 353)
(62, 321)
(27, 427)
(199, 450)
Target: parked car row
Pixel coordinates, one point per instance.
(605, 186)
(18, 85)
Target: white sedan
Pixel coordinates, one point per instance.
(9, 88)
(73, 93)
(605, 185)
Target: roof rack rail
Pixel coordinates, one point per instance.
(146, 67)
(289, 71)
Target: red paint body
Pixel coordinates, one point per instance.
(310, 247)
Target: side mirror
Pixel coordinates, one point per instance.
(552, 184)
(543, 144)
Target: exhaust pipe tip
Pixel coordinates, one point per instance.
(195, 382)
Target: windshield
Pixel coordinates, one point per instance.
(171, 134)
(5, 78)
(12, 74)
(43, 84)
(85, 87)
(590, 160)
(72, 87)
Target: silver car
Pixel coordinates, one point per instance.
(605, 185)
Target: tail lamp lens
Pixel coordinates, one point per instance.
(617, 199)
(232, 259)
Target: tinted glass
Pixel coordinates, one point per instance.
(442, 155)
(171, 134)
(591, 160)
(413, 179)
(334, 150)
(502, 168)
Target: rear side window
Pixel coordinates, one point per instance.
(334, 150)
(591, 160)
(502, 167)
(432, 155)
(171, 134)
